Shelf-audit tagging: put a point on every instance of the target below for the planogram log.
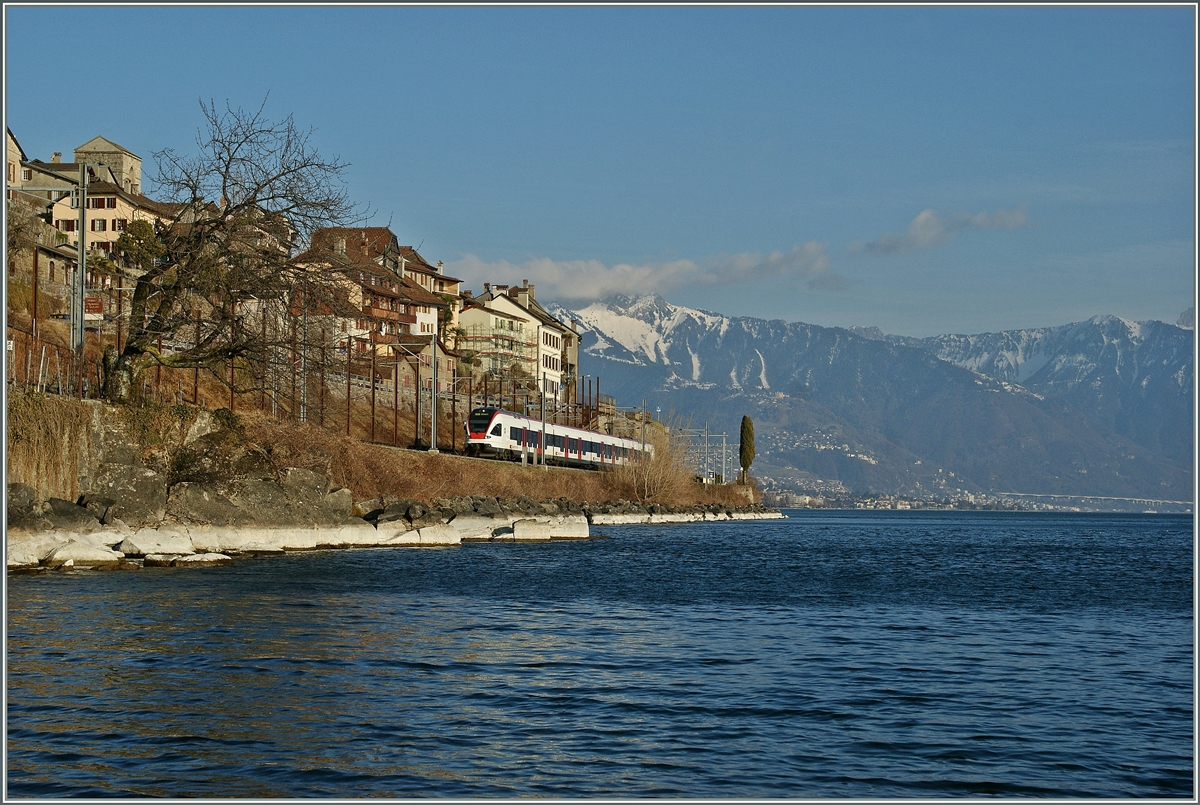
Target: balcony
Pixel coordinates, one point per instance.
(389, 315)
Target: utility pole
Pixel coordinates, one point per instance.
(433, 412)
(643, 426)
(304, 362)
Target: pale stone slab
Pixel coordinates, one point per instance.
(29, 548)
(204, 538)
(440, 535)
(569, 527)
(260, 548)
(531, 529)
(81, 554)
(351, 535)
(164, 540)
(402, 538)
(202, 560)
(620, 519)
(475, 527)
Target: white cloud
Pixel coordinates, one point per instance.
(592, 279)
(929, 229)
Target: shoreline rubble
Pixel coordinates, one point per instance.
(216, 523)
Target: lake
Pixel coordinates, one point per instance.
(832, 654)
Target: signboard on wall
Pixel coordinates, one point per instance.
(93, 304)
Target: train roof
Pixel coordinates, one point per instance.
(527, 418)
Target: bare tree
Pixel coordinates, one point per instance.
(219, 258)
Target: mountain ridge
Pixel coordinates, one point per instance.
(826, 400)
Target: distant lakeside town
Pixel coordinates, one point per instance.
(967, 501)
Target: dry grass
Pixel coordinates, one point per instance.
(47, 434)
(370, 471)
(46, 438)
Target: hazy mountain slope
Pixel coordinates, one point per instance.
(871, 414)
(1134, 378)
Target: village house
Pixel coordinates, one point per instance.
(42, 248)
(497, 340)
(380, 245)
(432, 279)
(374, 305)
(551, 346)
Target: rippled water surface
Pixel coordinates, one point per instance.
(829, 655)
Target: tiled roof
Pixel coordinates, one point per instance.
(371, 241)
(17, 142)
(419, 295)
(100, 146)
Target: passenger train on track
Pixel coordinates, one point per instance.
(497, 433)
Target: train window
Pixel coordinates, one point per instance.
(498, 430)
(479, 419)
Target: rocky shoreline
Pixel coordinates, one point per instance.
(128, 525)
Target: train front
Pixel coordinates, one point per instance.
(484, 432)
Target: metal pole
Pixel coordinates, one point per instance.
(543, 407)
(233, 319)
(396, 399)
(433, 412)
(417, 403)
(372, 393)
(304, 359)
(348, 348)
(196, 369)
(81, 264)
(262, 392)
(34, 326)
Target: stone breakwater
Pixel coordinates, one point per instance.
(200, 524)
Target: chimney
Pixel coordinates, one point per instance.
(56, 159)
(468, 294)
(575, 324)
(339, 246)
(440, 271)
(531, 290)
(522, 296)
(487, 287)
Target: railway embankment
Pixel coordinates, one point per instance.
(97, 486)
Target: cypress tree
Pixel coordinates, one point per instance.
(746, 448)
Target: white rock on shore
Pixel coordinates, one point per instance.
(82, 554)
(156, 541)
(177, 543)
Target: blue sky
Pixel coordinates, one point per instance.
(922, 169)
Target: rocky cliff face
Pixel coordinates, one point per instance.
(873, 413)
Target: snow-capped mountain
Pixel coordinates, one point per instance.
(882, 413)
(1133, 377)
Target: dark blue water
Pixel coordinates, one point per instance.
(850, 654)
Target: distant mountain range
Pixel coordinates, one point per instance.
(1102, 407)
